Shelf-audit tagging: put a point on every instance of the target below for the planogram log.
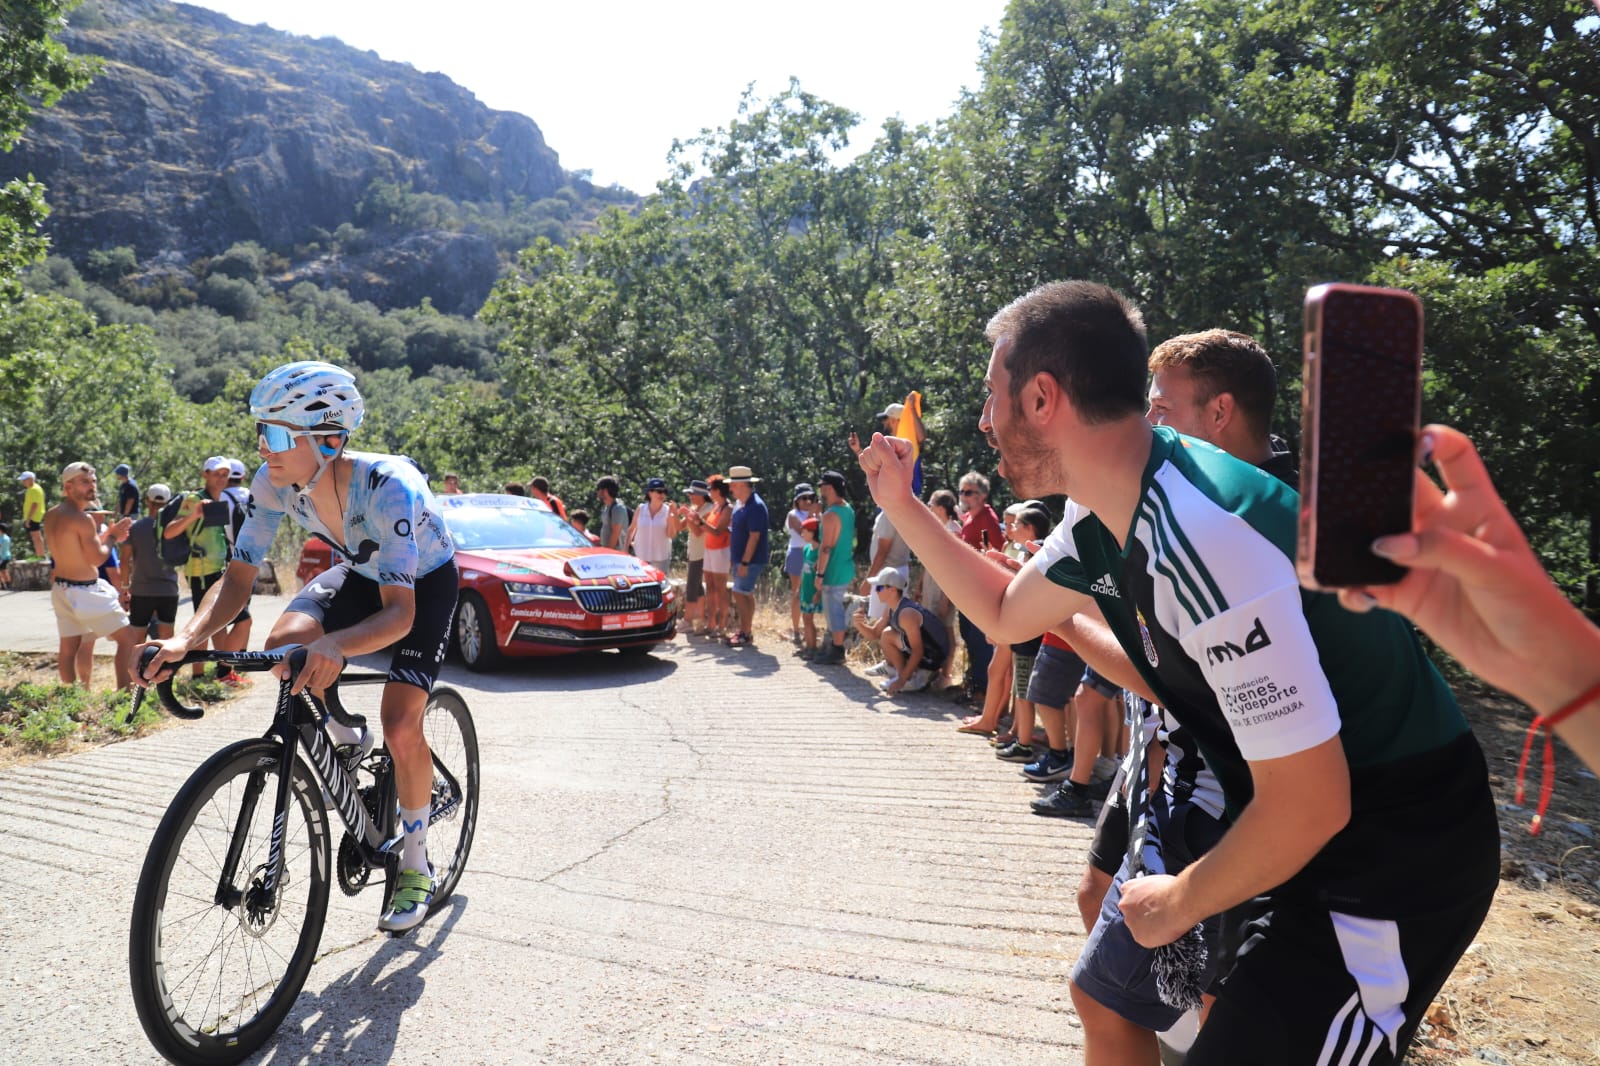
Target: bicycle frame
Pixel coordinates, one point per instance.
(298, 725)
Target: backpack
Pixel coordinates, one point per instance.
(177, 551)
(174, 551)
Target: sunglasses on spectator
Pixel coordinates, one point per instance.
(971, 492)
(278, 438)
(879, 588)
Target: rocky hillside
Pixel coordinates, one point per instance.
(201, 132)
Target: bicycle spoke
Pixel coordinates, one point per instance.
(213, 980)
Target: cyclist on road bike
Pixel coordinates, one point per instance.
(395, 584)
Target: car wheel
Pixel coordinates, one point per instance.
(475, 637)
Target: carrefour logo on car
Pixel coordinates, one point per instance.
(606, 566)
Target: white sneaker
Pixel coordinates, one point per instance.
(1104, 768)
(919, 681)
(882, 669)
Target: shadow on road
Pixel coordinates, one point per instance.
(356, 1019)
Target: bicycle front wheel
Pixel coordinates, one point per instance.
(214, 959)
(453, 740)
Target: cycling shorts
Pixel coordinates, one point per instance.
(163, 609)
(199, 586)
(340, 598)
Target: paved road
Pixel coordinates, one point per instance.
(706, 855)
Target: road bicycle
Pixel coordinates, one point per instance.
(231, 902)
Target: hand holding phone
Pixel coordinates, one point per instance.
(1359, 419)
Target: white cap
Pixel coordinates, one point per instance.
(27, 475)
(235, 468)
(890, 577)
(216, 462)
(158, 492)
(894, 410)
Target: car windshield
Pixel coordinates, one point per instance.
(482, 527)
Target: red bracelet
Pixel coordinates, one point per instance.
(1547, 783)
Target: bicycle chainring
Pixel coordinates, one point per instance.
(354, 872)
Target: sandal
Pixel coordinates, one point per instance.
(974, 727)
(739, 640)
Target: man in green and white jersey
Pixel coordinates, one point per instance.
(1358, 799)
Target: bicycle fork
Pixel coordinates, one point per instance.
(304, 732)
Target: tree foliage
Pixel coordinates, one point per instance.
(734, 318)
(35, 70)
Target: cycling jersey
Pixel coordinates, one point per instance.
(393, 530)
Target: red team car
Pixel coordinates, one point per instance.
(533, 585)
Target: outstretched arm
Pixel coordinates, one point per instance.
(1009, 608)
(1477, 589)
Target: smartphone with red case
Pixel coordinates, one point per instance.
(1359, 421)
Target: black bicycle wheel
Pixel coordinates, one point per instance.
(215, 968)
(454, 742)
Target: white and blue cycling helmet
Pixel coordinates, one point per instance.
(309, 395)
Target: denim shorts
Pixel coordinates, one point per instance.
(1100, 684)
(833, 606)
(745, 577)
(1056, 675)
(1118, 972)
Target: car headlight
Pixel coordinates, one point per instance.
(523, 591)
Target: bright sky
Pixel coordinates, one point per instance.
(612, 84)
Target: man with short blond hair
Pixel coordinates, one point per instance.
(85, 603)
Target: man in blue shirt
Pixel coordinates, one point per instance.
(749, 548)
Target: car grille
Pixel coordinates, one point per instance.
(599, 599)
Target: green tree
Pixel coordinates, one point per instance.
(730, 319)
(1465, 138)
(35, 69)
(77, 390)
(110, 265)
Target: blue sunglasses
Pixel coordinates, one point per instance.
(278, 438)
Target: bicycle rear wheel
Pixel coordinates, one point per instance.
(453, 740)
(215, 966)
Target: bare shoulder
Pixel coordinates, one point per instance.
(66, 519)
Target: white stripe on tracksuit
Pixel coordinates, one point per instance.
(1374, 1014)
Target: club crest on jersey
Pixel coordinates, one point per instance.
(1149, 645)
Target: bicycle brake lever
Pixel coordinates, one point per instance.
(133, 705)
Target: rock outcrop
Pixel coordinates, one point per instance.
(200, 132)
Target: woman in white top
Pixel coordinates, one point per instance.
(648, 534)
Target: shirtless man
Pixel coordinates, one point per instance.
(84, 602)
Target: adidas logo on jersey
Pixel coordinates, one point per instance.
(1104, 586)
